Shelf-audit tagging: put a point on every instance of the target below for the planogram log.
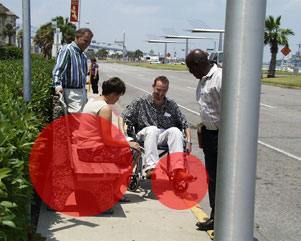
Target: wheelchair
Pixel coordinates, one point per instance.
(138, 167)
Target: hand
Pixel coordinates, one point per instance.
(134, 145)
(188, 147)
(58, 90)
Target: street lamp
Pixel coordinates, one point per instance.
(123, 46)
(165, 42)
(187, 38)
(203, 30)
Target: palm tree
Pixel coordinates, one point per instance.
(45, 34)
(20, 38)
(68, 29)
(138, 54)
(274, 36)
(102, 53)
(44, 39)
(9, 31)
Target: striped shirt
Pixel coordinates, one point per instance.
(71, 68)
(208, 95)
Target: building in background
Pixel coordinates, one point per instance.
(7, 16)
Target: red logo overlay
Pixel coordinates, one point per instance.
(179, 194)
(79, 165)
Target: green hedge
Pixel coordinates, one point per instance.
(20, 123)
(10, 52)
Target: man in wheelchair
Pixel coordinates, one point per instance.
(158, 121)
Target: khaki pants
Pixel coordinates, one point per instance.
(75, 99)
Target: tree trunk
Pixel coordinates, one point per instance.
(272, 67)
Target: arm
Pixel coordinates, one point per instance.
(106, 123)
(60, 69)
(121, 124)
(131, 112)
(188, 135)
(96, 72)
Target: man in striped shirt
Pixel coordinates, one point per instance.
(69, 74)
(208, 95)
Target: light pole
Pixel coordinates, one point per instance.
(165, 42)
(123, 47)
(79, 12)
(186, 38)
(202, 30)
(26, 50)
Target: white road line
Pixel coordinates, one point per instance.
(193, 88)
(138, 88)
(260, 142)
(279, 150)
(267, 105)
(192, 111)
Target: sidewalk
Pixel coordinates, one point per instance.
(144, 218)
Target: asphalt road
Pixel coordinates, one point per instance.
(278, 195)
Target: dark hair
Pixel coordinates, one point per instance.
(113, 85)
(162, 78)
(79, 33)
(93, 59)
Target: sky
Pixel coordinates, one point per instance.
(142, 20)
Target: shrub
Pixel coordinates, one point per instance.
(10, 52)
(20, 123)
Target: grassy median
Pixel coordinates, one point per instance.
(292, 81)
(283, 78)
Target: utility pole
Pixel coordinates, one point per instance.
(123, 47)
(79, 13)
(26, 50)
(238, 134)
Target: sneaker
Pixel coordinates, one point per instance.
(181, 175)
(149, 174)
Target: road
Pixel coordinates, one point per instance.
(278, 179)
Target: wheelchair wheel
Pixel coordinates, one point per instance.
(180, 186)
(134, 183)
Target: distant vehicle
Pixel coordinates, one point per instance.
(217, 57)
(155, 62)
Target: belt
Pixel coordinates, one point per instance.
(72, 87)
(205, 128)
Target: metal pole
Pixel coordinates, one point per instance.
(79, 13)
(237, 154)
(165, 53)
(220, 42)
(123, 47)
(26, 50)
(186, 51)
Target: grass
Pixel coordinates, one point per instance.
(283, 78)
(293, 81)
(157, 66)
(280, 72)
